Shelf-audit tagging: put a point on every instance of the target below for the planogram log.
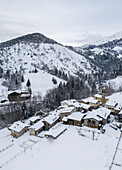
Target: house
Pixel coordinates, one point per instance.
(111, 105)
(50, 120)
(92, 120)
(98, 117)
(18, 128)
(92, 102)
(75, 118)
(54, 133)
(34, 120)
(14, 96)
(99, 98)
(36, 128)
(67, 111)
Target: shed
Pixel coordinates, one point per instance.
(54, 133)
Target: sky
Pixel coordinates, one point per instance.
(70, 22)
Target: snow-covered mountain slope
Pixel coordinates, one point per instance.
(41, 82)
(106, 55)
(28, 55)
(116, 83)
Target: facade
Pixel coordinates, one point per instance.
(98, 117)
(92, 122)
(18, 129)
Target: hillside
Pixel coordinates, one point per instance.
(106, 54)
(36, 51)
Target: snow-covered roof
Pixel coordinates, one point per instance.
(103, 112)
(67, 110)
(99, 114)
(18, 126)
(99, 96)
(25, 95)
(76, 116)
(51, 119)
(111, 103)
(92, 115)
(65, 119)
(55, 132)
(37, 125)
(90, 100)
(34, 118)
(69, 102)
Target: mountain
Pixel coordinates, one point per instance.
(107, 55)
(37, 51)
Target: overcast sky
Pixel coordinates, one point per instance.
(66, 21)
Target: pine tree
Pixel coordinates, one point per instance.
(28, 84)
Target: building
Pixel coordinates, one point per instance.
(14, 96)
(98, 117)
(76, 118)
(36, 128)
(18, 128)
(92, 102)
(99, 98)
(111, 105)
(67, 111)
(54, 133)
(50, 120)
(34, 120)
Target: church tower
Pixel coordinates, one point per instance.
(103, 96)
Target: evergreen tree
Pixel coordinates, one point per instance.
(28, 84)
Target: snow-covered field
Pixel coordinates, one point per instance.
(116, 83)
(69, 151)
(41, 82)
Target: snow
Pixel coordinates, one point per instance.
(34, 118)
(90, 99)
(78, 148)
(41, 82)
(116, 83)
(51, 119)
(71, 151)
(76, 116)
(98, 114)
(55, 132)
(37, 125)
(18, 126)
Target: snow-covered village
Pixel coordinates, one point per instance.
(60, 85)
